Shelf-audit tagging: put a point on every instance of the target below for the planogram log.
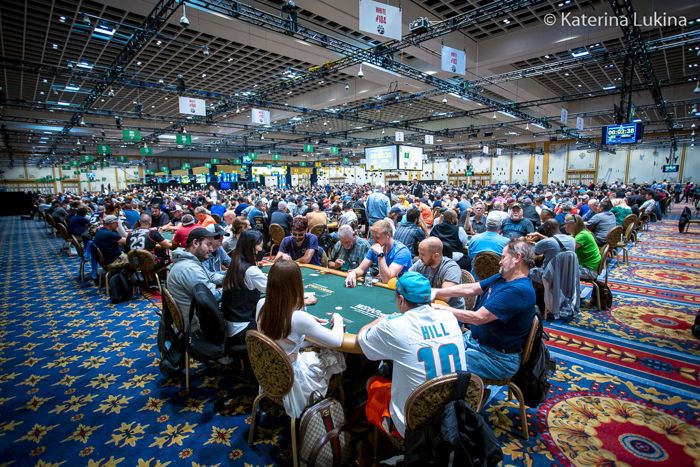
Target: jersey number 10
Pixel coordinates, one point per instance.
(448, 354)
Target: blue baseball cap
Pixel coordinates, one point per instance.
(414, 287)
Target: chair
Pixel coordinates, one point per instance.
(146, 263)
(467, 278)
(81, 254)
(324, 258)
(601, 268)
(631, 219)
(276, 235)
(275, 375)
(613, 239)
(106, 269)
(260, 223)
(52, 223)
(65, 235)
(318, 230)
(512, 387)
(178, 319)
(430, 397)
(626, 241)
(362, 221)
(486, 264)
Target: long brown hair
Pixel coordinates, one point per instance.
(284, 295)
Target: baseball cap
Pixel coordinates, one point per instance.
(177, 208)
(218, 230)
(187, 219)
(110, 219)
(414, 287)
(515, 206)
(396, 208)
(493, 220)
(201, 232)
(569, 219)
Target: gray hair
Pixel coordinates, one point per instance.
(345, 231)
(524, 249)
(281, 206)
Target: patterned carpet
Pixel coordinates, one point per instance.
(79, 381)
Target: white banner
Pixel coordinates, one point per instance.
(499, 151)
(260, 117)
(192, 106)
(428, 139)
(579, 123)
(564, 116)
(380, 19)
(398, 136)
(454, 60)
(485, 150)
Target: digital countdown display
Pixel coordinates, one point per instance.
(627, 133)
(670, 168)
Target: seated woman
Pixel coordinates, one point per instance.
(281, 317)
(242, 286)
(586, 249)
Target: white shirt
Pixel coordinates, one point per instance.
(418, 342)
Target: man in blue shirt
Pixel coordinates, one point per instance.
(500, 325)
(301, 246)
(377, 205)
(516, 225)
(392, 257)
(258, 211)
(490, 240)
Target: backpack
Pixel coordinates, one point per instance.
(120, 287)
(326, 242)
(532, 376)
(207, 341)
(686, 215)
(323, 440)
(457, 435)
(606, 296)
(171, 344)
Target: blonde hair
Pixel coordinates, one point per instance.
(383, 226)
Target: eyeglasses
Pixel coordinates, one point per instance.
(298, 234)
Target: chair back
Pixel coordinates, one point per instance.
(467, 278)
(429, 398)
(63, 231)
(142, 260)
(78, 245)
(51, 220)
(436, 213)
(361, 215)
(97, 254)
(629, 232)
(276, 233)
(170, 306)
(603, 255)
(530, 341)
(324, 258)
(318, 229)
(631, 219)
(614, 237)
(486, 264)
(270, 363)
(259, 223)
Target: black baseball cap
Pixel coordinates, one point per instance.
(201, 232)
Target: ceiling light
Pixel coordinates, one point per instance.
(506, 21)
(71, 88)
(184, 22)
(205, 50)
(347, 86)
(204, 75)
(54, 46)
(84, 65)
(159, 42)
(580, 53)
(494, 116)
(697, 88)
(444, 100)
(65, 104)
(609, 87)
(527, 126)
(138, 63)
(102, 29)
(61, 19)
(360, 74)
(546, 56)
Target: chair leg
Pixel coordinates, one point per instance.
(107, 283)
(82, 270)
(256, 403)
(187, 372)
(295, 454)
(596, 289)
(523, 414)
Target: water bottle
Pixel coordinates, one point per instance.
(369, 281)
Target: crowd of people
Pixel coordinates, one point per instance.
(417, 237)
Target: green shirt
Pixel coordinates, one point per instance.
(620, 213)
(587, 251)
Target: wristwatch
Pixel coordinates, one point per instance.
(380, 255)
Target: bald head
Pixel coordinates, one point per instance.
(432, 245)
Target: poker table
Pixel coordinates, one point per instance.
(358, 306)
(168, 235)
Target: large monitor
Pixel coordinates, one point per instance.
(381, 158)
(410, 158)
(627, 133)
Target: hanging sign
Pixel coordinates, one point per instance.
(215, 161)
(275, 157)
(579, 123)
(122, 159)
(334, 150)
(146, 151)
(131, 135)
(485, 149)
(260, 117)
(428, 139)
(103, 149)
(192, 106)
(454, 60)
(183, 138)
(380, 19)
(308, 148)
(564, 116)
(398, 136)
(499, 151)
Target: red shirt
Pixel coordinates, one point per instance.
(181, 234)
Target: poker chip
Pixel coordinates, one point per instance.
(339, 308)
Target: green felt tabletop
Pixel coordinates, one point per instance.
(358, 306)
(168, 235)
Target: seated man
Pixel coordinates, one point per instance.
(392, 257)
(187, 225)
(491, 240)
(603, 222)
(516, 225)
(218, 261)
(301, 246)
(175, 220)
(203, 217)
(316, 216)
(412, 231)
(187, 269)
(439, 270)
(109, 241)
(146, 238)
(158, 217)
(349, 252)
(422, 342)
(548, 244)
(282, 218)
(499, 327)
(79, 222)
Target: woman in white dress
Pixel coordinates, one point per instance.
(281, 317)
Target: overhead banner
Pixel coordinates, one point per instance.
(564, 117)
(398, 136)
(579, 123)
(380, 19)
(260, 117)
(192, 106)
(454, 60)
(428, 139)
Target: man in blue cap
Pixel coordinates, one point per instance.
(422, 342)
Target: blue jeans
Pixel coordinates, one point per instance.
(487, 362)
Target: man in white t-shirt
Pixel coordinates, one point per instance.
(422, 342)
